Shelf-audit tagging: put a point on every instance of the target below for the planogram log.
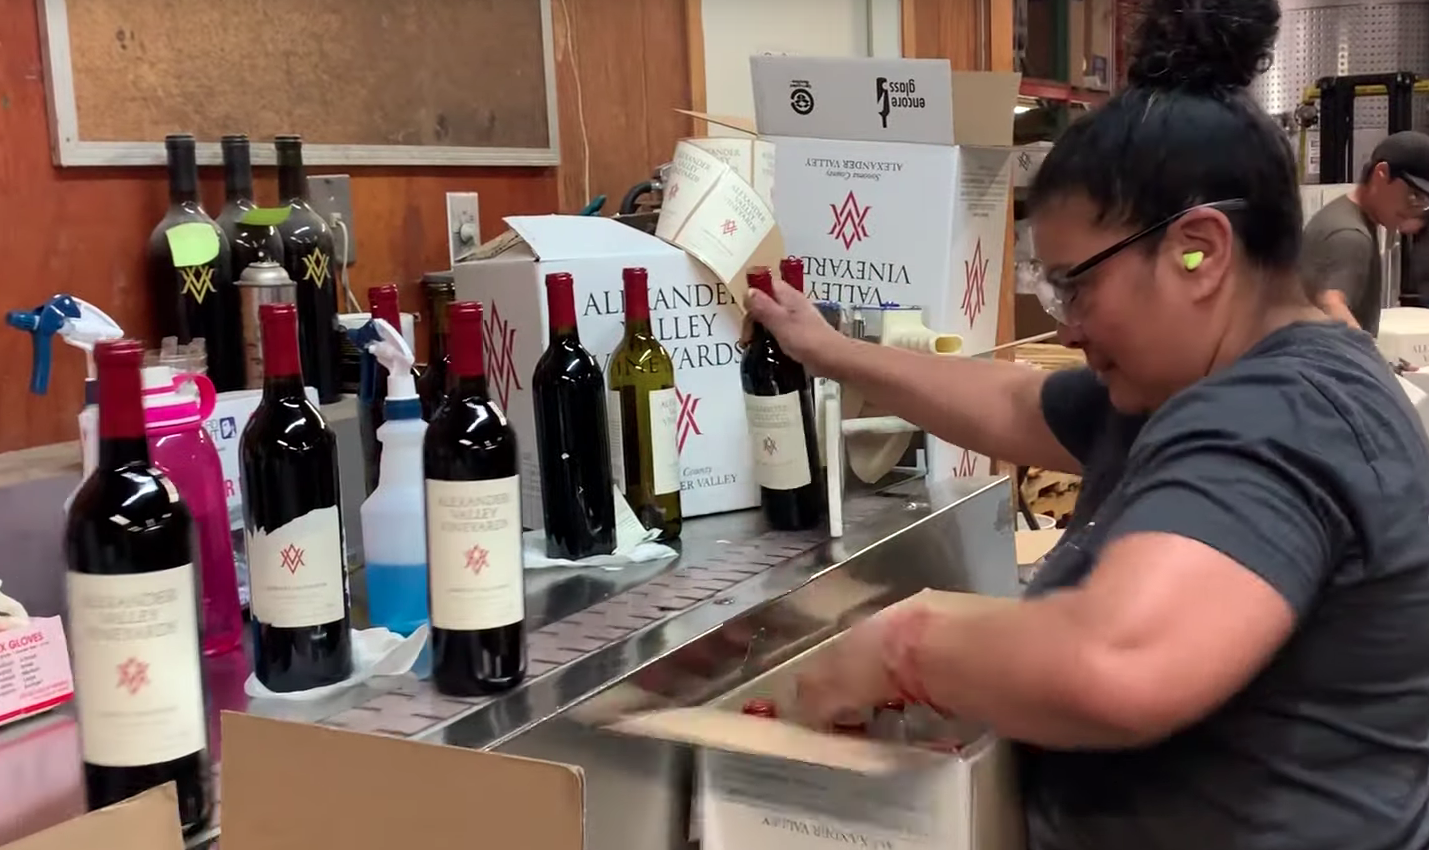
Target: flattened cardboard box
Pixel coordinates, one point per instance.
(294, 786)
(769, 785)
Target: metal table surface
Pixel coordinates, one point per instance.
(584, 615)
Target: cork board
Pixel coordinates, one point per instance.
(394, 82)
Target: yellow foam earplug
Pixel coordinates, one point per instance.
(1194, 259)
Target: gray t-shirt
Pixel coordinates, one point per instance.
(1304, 462)
(1341, 251)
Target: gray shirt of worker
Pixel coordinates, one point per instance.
(1304, 463)
(1341, 251)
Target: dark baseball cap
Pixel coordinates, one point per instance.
(1407, 155)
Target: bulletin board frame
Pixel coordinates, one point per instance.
(69, 149)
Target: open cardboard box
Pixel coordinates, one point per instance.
(773, 784)
(291, 786)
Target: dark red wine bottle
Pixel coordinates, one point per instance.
(779, 405)
(308, 257)
(477, 590)
(435, 381)
(372, 394)
(572, 442)
(196, 299)
(133, 612)
(293, 520)
(248, 243)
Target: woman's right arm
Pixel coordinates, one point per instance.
(989, 406)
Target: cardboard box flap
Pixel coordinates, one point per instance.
(729, 122)
(556, 238)
(983, 107)
(882, 100)
(295, 786)
(149, 821)
(739, 733)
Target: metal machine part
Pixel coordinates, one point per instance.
(1327, 38)
(957, 537)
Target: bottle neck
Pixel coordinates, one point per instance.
(292, 183)
(282, 386)
(237, 174)
(467, 386)
(437, 336)
(638, 327)
(121, 419)
(561, 308)
(183, 175)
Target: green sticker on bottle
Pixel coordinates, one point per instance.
(193, 243)
(266, 216)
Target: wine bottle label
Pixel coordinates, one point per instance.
(298, 573)
(664, 445)
(474, 553)
(776, 431)
(136, 666)
(615, 428)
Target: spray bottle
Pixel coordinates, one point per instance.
(82, 325)
(394, 524)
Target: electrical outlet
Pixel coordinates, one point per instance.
(463, 223)
(331, 196)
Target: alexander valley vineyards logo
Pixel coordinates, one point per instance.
(975, 289)
(133, 675)
(501, 355)
(685, 423)
(477, 559)
(315, 268)
(967, 465)
(849, 222)
(197, 282)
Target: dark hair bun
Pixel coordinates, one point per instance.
(1203, 45)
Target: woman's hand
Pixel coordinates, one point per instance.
(853, 674)
(797, 324)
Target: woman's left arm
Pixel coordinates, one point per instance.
(1222, 544)
(1165, 630)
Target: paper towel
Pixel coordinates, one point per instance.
(375, 652)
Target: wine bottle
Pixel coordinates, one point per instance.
(382, 302)
(477, 588)
(572, 440)
(644, 409)
(133, 619)
(248, 243)
(293, 521)
(779, 405)
(193, 286)
(308, 257)
(432, 387)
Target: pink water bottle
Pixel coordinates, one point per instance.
(182, 448)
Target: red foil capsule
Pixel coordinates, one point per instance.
(765, 708)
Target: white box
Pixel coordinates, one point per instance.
(692, 314)
(771, 785)
(894, 180)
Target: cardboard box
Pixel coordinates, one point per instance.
(894, 179)
(693, 315)
(367, 792)
(767, 784)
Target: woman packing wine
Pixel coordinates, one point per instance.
(1230, 647)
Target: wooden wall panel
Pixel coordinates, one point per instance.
(84, 231)
(972, 38)
(621, 70)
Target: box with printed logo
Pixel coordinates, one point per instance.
(693, 315)
(894, 185)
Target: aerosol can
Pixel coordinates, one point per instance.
(81, 325)
(394, 525)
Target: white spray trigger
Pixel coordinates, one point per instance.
(392, 351)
